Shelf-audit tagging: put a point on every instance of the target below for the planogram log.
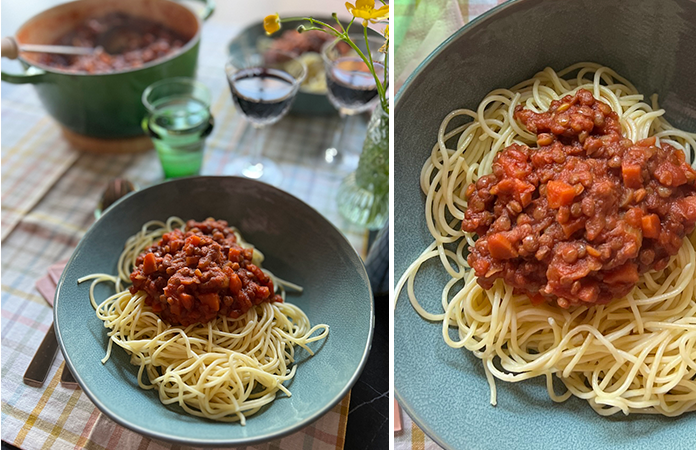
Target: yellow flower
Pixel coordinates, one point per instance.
(365, 9)
(271, 24)
(384, 48)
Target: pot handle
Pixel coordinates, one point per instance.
(32, 75)
(209, 9)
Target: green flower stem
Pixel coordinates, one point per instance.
(335, 17)
(313, 21)
(372, 63)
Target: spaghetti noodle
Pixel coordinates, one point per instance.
(226, 369)
(635, 354)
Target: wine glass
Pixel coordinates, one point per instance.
(263, 85)
(350, 84)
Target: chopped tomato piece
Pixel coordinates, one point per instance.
(633, 217)
(537, 299)
(687, 208)
(670, 174)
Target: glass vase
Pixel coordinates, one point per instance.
(363, 197)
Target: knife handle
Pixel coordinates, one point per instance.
(43, 359)
(67, 380)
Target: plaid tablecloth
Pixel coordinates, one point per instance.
(420, 26)
(49, 192)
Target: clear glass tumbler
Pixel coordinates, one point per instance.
(178, 121)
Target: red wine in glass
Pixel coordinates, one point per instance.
(262, 94)
(350, 83)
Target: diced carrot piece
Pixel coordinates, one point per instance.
(559, 193)
(500, 247)
(193, 239)
(187, 301)
(149, 264)
(628, 273)
(647, 142)
(651, 226)
(631, 176)
(212, 300)
(592, 251)
(234, 253)
(187, 281)
(235, 282)
(569, 228)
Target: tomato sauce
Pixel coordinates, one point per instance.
(200, 273)
(577, 219)
(139, 41)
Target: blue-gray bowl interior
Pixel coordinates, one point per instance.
(650, 42)
(305, 103)
(299, 245)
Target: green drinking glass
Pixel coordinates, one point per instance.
(178, 120)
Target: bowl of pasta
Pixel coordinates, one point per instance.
(545, 259)
(214, 311)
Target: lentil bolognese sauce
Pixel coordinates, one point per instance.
(578, 218)
(207, 327)
(137, 40)
(194, 275)
(577, 202)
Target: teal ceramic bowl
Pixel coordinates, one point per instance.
(105, 105)
(650, 42)
(299, 245)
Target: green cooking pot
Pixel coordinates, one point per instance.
(105, 106)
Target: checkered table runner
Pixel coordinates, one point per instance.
(420, 26)
(49, 192)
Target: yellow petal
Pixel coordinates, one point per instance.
(360, 14)
(365, 4)
(384, 9)
(271, 23)
(350, 7)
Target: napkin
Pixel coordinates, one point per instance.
(47, 284)
(397, 416)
